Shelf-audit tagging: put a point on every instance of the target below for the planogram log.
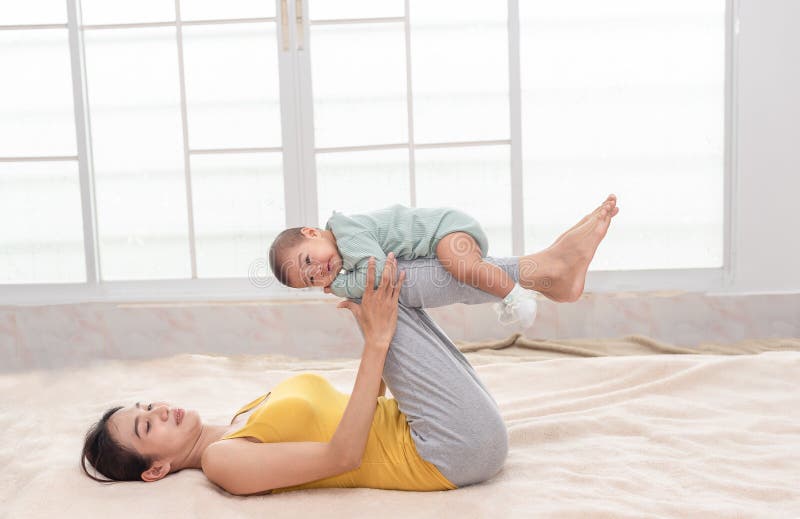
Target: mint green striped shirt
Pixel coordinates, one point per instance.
(408, 232)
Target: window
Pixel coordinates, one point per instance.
(626, 96)
(153, 149)
(41, 229)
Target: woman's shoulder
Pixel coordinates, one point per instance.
(223, 452)
(221, 462)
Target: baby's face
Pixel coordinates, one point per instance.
(315, 262)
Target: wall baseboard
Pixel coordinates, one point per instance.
(59, 336)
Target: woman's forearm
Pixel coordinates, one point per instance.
(377, 318)
(350, 438)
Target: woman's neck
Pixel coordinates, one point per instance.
(208, 435)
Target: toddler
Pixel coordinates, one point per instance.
(336, 258)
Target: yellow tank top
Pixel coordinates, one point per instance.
(308, 408)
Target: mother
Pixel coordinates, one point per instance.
(442, 429)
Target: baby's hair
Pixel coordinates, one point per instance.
(285, 240)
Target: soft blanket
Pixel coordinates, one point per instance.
(645, 430)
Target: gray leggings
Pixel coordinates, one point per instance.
(454, 421)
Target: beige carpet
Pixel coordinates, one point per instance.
(627, 427)
(538, 349)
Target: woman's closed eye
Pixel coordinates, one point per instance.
(149, 408)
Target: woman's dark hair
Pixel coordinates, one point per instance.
(108, 457)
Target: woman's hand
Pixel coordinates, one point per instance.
(377, 313)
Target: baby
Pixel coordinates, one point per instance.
(336, 258)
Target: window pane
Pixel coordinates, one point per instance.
(138, 153)
(359, 76)
(126, 11)
(361, 181)
(645, 238)
(232, 86)
(214, 9)
(459, 57)
(626, 97)
(27, 12)
(41, 226)
(476, 180)
(36, 111)
(238, 210)
(327, 10)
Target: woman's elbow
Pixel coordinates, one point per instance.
(354, 464)
(350, 462)
(340, 458)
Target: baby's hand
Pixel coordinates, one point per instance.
(327, 290)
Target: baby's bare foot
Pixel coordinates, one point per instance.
(559, 272)
(580, 244)
(612, 198)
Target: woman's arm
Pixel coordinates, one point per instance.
(245, 468)
(377, 317)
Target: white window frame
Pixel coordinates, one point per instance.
(300, 187)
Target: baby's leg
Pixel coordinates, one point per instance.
(557, 272)
(460, 255)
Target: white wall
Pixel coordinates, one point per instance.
(766, 189)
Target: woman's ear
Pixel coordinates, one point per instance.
(156, 472)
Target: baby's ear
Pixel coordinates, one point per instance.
(309, 232)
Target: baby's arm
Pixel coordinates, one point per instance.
(358, 248)
(352, 284)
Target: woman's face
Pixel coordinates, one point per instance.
(152, 429)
